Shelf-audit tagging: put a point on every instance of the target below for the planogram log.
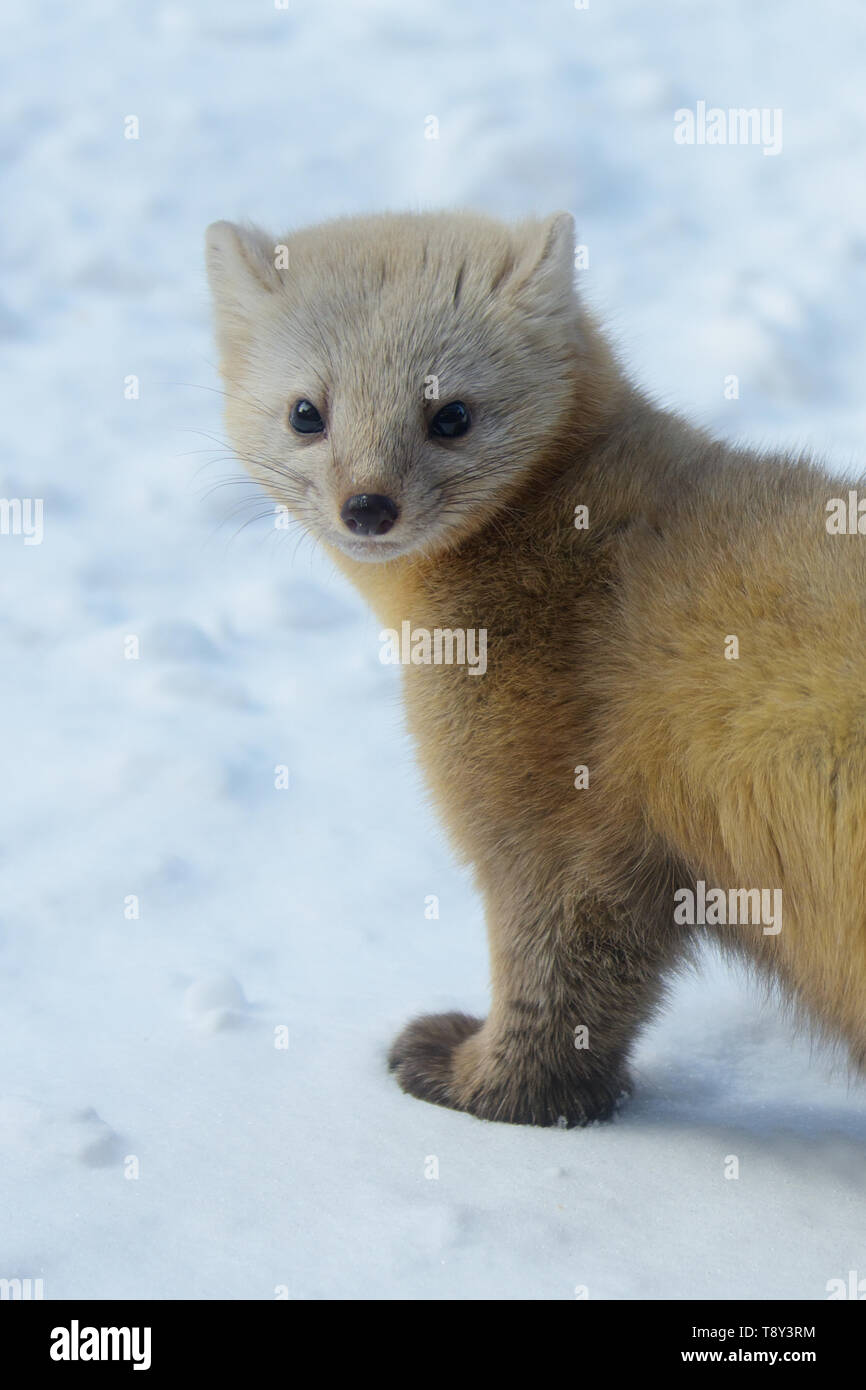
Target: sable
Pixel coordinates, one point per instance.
(675, 688)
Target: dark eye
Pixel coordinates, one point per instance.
(304, 418)
(451, 421)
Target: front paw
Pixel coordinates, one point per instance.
(450, 1060)
(423, 1055)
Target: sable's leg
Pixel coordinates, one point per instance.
(555, 971)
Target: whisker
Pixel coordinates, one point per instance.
(217, 391)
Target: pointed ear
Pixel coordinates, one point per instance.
(545, 278)
(240, 265)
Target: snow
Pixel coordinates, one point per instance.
(201, 967)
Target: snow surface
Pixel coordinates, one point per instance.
(154, 1038)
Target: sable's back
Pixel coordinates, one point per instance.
(747, 556)
(735, 686)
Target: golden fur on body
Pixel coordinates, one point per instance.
(606, 645)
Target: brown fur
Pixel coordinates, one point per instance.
(605, 645)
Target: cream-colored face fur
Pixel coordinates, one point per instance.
(380, 322)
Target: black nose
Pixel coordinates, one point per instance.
(368, 514)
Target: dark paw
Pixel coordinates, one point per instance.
(561, 1100)
(448, 1060)
(422, 1055)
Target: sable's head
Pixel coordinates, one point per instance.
(391, 379)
